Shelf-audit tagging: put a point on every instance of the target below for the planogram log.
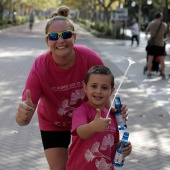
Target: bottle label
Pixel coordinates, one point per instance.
(120, 120)
(118, 158)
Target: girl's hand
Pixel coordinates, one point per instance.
(124, 111)
(127, 150)
(100, 124)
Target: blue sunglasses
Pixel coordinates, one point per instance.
(55, 35)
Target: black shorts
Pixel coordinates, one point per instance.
(55, 139)
(156, 50)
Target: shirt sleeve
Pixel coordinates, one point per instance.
(33, 84)
(90, 57)
(79, 118)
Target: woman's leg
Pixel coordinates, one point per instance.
(57, 158)
(162, 62)
(56, 148)
(150, 59)
(161, 59)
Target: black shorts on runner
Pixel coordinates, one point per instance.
(55, 139)
(156, 51)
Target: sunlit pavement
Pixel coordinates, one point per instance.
(147, 99)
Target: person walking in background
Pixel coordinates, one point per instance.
(31, 20)
(135, 32)
(95, 136)
(158, 48)
(54, 86)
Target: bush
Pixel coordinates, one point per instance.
(99, 26)
(82, 21)
(102, 29)
(19, 20)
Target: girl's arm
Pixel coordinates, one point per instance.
(127, 150)
(99, 124)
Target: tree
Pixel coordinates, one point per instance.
(106, 5)
(3, 6)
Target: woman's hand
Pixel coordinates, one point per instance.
(25, 110)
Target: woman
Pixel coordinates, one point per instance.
(54, 85)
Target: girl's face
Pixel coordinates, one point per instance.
(98, 90)
(61, 48)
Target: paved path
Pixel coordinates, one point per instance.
(147, 100)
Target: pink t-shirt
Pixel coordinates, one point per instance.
(96, 152)
(59, 92)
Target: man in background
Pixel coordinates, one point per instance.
(158, 49)
(31, 20)
(135, 32)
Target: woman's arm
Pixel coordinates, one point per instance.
(25, 111)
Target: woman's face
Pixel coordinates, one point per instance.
(61, 48)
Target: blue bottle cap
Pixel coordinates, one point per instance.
(126, 134)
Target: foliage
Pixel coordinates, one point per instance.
(94, 14)
(101, 29)
(21, 20)
(82, 21)
(71, 4)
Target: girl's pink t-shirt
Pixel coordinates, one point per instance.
(59, 92)
(96, 152)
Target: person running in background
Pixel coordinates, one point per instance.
(31, 20)
(54, 86)
(95, 137)
(135, 32)
(158, 49)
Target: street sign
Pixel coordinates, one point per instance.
(120, 14)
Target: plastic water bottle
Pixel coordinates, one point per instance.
(119, 160)
(121, 122)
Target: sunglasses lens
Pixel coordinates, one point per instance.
(67, 34)
(53, 36)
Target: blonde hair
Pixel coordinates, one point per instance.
(62, 14)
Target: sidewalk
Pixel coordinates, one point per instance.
(147, 100)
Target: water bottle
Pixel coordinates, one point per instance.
(121, 122)
(119, 160)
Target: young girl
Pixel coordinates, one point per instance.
(95, 137)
